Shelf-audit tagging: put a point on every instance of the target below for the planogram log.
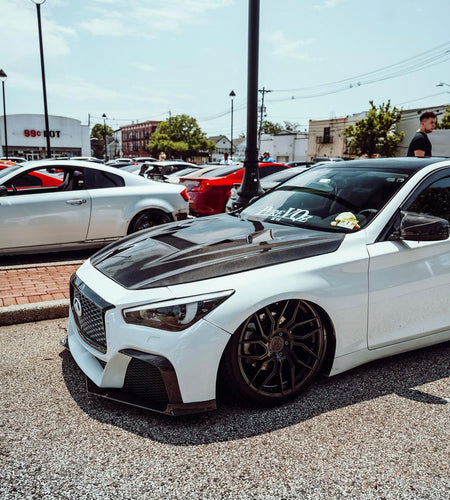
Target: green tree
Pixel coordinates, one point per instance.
(98, 139)
(271, 128)
(444, 122)
(375, 134)
(181, 136)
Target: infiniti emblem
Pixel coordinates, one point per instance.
(77, 307)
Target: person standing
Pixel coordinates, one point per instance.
(420, 144)
(267, 158)
(226, 160)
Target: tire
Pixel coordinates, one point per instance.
(147, 219)
(275, 353)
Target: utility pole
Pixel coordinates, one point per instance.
(263, 91)
(170, 135)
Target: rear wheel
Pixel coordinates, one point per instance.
(275, 353)
(147, 219)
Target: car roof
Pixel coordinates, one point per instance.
(398, 163)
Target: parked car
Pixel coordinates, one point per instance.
(89, 205)
(31, 180)
(318, 159)
(267, 183)
(190, 172)
(209, 193)
(87, 158)
(336, 267)
(121, 162)
(160, 169)
(299, 163)
(15, 159)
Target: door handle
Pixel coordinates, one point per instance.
(75, 202)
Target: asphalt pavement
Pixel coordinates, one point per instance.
(380, 431)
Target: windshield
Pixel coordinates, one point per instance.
(332, 198)
(222, 171)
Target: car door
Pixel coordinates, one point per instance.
(45, 215)
(110, 200)
(409, 282)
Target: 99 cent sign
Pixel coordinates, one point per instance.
(38, 133)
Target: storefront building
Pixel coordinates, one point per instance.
(26, 136)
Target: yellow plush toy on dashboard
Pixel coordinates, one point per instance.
(346, 219)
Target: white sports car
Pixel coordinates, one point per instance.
(54, 205)
(338, 266)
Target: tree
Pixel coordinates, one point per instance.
(376, 134)
(292, 126)
(444, 123)
(271, 128)
(98, 139)
(180, 135)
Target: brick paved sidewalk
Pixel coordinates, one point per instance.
(29, 285)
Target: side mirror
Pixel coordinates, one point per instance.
(3, 191)
(421, 227)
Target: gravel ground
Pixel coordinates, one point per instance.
(381, 431)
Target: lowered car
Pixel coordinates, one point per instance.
(209, 193)
(335, 267)
(76, 204)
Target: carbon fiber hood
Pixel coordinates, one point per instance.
(205, 248)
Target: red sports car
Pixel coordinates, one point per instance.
(37, 178)
(208, 195)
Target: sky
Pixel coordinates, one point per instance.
(138, 60)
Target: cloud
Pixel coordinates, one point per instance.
(284, 47)
(148, 68)
(137, 18)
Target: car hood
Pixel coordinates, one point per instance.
(205, 248)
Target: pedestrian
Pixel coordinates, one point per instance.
(420, 144)
(267, 158)
(226, 160)
(162, 156)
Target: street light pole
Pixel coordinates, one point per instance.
(250, 186)
(232, 94)
(3, 76)
(47, 128)
(104, 133)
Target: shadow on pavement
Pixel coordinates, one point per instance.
(232, 421)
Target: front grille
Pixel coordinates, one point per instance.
(144, 381)
(88, 311)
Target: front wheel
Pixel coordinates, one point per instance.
(275, 353)
(147, 219)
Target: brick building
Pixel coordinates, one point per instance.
(136, 136)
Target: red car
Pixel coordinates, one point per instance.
(38, 178)
(208, 194)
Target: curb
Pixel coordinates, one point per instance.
(39, 311)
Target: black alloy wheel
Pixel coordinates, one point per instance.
(275, 353)
(147, 219)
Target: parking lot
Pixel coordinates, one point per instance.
(378, 431)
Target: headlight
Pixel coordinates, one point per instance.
(175, 315)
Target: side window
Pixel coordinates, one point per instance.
(24, 180)
(269, 169)
(434, 199)
(97, 179)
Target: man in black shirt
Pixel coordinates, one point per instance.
(420, 145)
